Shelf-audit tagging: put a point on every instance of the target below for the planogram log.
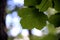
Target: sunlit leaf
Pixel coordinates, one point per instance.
(50, 11)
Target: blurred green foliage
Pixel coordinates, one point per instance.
(44, 5)
(55, 19)
(47, 37)
(57, 5)
(35, 17)
(32, 2)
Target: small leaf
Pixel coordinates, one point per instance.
(50, 11)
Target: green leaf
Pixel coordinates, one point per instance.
(57, 5)
(32, 2)
(44, 5)
(31, 18)
(50, 37)
(50, 11)
(51, 28)
(46, 37)
(55, 19)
